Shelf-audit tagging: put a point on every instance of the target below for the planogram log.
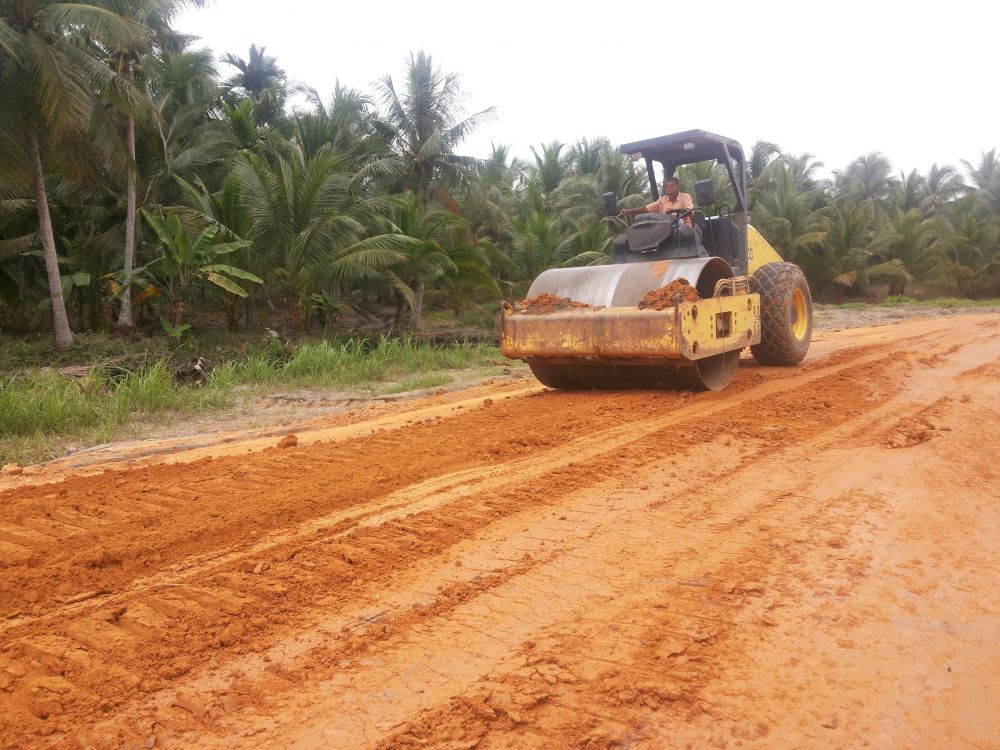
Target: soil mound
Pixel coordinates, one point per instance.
(677, 291)
(546, 303)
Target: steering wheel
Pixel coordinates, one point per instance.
(680, 212)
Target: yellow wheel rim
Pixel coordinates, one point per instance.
(799, 315)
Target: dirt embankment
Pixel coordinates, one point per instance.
(805, 559)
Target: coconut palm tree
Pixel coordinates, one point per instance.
(550, 166)
(943, 184)
(49, 76)
(911, 191)
(535, 244)
(868, 177)
(439, 253)
(587, 243)
(426, 122)
(762, 153)
(784, 214)
(986, 177)
(620, 176)
(909, 253)
(501, 170)
(851, 242)
(310, 219)
(587, 156)
(967, 241)
(349, 124)
(129, 62)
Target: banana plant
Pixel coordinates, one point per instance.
(187, 260)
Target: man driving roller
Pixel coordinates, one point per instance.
(672, 200)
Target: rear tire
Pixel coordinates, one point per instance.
(785, 314)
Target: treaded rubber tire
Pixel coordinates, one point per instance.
(783, 293)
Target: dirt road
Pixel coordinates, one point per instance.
(808, 559)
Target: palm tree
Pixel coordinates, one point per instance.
(762, 153)
(348, 124)
(501, 170)
(908, 254)
(426, 122)
(852, 241)
(943, 184)
(489, 198)
(577, 198)
(309, 220)
(968, 245)
(586, 157)
(260, 79)
(870, 178)
(438, 252)
(49, 78)
(785, 216)
(588, 243)
(535, 245)
(803, 168)
(620, 176)
(911, 191)
(550, 166)
(128, 61)
(986, 176)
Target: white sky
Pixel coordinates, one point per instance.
(914, 80)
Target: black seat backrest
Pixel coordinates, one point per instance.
(704, 192)
(723, 239)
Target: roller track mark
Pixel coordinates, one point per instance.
(615, 531)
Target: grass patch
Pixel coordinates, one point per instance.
(947, 303)
(956, 302)
(359, 363)
(39, 409)
(42, 409)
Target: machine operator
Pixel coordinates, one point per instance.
(672, 200)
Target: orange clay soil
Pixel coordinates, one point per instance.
(671, 295)
(546, 303)
(806, 559)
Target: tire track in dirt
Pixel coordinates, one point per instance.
(282, 477)
(424, 496)
(467, 635)
(221, 619)
(390, 624)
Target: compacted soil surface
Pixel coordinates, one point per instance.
(806, 559)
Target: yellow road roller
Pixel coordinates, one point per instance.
(606, 337)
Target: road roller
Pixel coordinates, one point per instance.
(747, 296)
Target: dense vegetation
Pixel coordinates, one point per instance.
(143, 181)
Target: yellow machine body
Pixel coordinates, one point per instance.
(706, 335)
(628, 335)
(759, 251)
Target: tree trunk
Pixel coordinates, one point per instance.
(60, 323)
(418, 305)
(125, 319)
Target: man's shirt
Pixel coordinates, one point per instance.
(664, 204)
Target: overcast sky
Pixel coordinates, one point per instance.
(914, 80)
